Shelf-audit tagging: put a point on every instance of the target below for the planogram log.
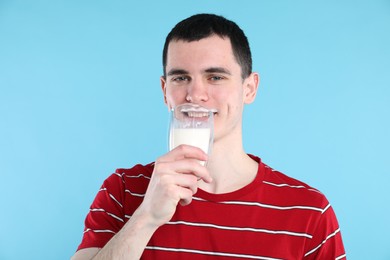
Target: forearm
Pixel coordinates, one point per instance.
(174, 179)
(130, 241)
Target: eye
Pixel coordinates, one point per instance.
(216, 78)
(180, 79)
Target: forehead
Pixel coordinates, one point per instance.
(213, 51)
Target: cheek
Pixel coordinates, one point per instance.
(219, 95)
(228, 97)
(175, 96)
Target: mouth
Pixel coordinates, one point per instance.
(195, 114)
(198, 112)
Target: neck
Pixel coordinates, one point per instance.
(230, 167)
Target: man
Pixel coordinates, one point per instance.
(236, 207)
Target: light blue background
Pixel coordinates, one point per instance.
(80, 96)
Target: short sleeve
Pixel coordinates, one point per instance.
(327, 241)
(106, 216)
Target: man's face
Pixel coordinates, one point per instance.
(205, 72)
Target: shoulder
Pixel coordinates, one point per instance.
(122, 178)
(279, 179)
(144, 170)
(291, 190)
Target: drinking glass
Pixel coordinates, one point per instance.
(192, 124)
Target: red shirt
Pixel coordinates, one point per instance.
(274, 217)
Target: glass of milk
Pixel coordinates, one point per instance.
(192, 124)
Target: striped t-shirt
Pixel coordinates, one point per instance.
(274, 217)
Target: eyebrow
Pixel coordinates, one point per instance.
(218, 70)
(173, 72)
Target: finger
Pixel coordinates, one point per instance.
(178, 189)
(185, 196)
(193, 167)
(186, 166)
(165, 191)
(188, 181)
(184, 151)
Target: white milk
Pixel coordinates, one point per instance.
(199, 137)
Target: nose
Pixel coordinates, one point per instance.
(197, 92)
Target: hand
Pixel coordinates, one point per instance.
(174, 180)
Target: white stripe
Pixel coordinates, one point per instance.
(99, 231)
(108, 213)
(114, 216)
(341, 257)
(326, 208)
(272, 206)
(297, 187)
(199, 199)
(258, 204)
(135, 194)
(284, 185)
(266, 166)
(323, 242)
(316, 191)
(120, 176)
(209, 253)
(259, 230)
(138, 176)
(102, 210)
(112, 197)
(291, 186)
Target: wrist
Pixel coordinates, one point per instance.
(143, 221)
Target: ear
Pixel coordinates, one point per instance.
(164, 89)
(251, 85)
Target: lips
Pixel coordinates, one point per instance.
(196, 114)
(196, 111)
